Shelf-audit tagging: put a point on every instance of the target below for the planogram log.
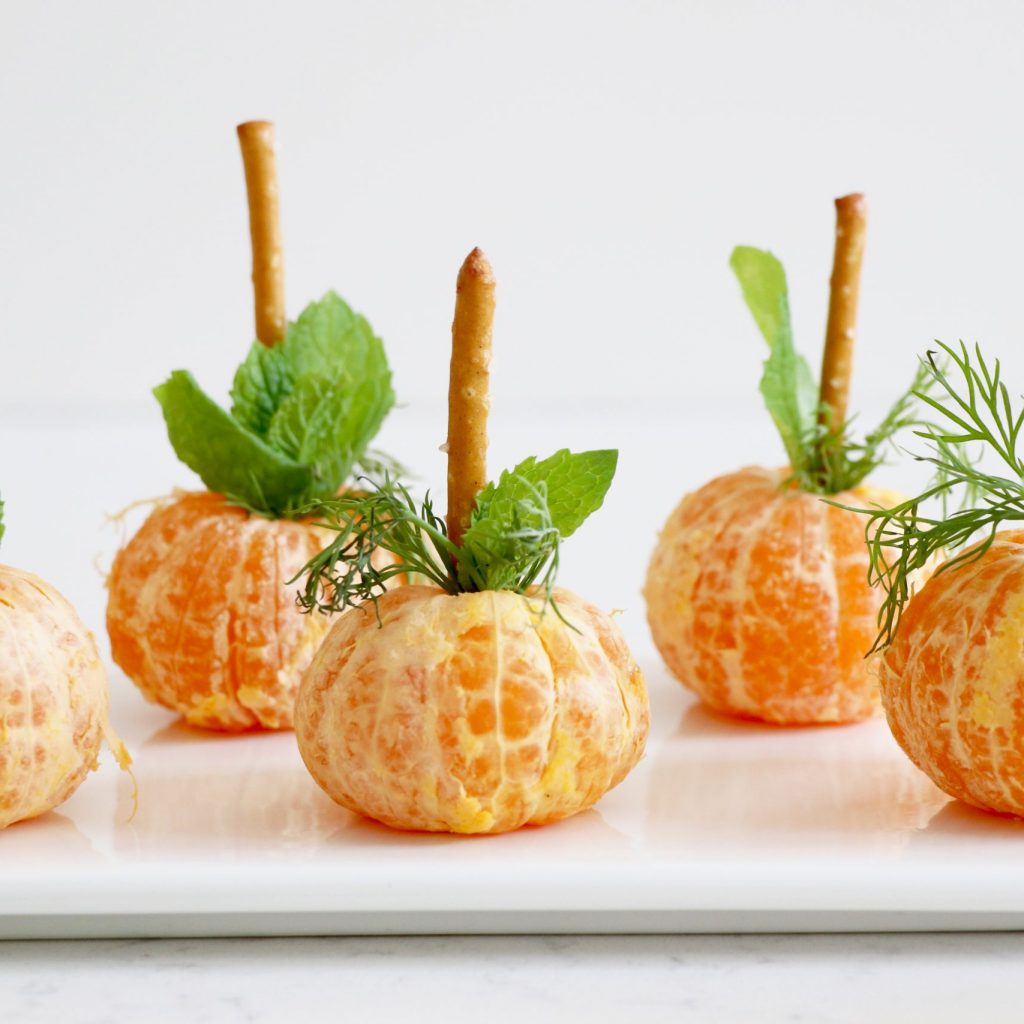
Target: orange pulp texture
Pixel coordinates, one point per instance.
(200, 618)
(468, 713)
(952, 680)
(53, 698)
(758, 599)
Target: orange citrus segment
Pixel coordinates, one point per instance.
(53, 698)
(201, 620)
(469, 713)
(758, 599)
(952, 681)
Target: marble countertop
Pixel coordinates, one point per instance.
(725, 979)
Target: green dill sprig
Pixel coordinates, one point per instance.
(513, 541)
(977, 409)
(386, 518)
(834, 461)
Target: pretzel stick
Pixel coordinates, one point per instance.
(840, 334)
(469, 390)
(257, 141)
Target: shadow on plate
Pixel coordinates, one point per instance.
(588, 834)
(52, 838)
(960, 819)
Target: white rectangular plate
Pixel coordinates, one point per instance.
(725, 826)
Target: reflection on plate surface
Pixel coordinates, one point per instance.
(719, 814)
(709, 788)
(719, 783)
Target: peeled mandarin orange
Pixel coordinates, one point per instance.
(470, 713)
(201, 620)
(53, 698)
(952, 680)
(758, 599)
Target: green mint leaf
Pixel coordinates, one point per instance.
(510, 543)
(329, 337)
(230, 459)
(321, 395)
(332, 342)
(328, 424)
(1, 519)
(763, 282)
(314, 425)
(305, 422)
(790, 396)
(519, 521)
(371, 401)
(261, 384)
(575, 483)
(787, 384)
(303, 412)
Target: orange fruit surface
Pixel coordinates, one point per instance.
(470, 713)
(758, 599)
(200, 618)
(952, 680)
(53, 697)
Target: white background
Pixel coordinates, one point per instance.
(607, 156)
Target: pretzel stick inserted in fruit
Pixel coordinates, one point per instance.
(469, 390)
(258, 155)
(840, 335)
